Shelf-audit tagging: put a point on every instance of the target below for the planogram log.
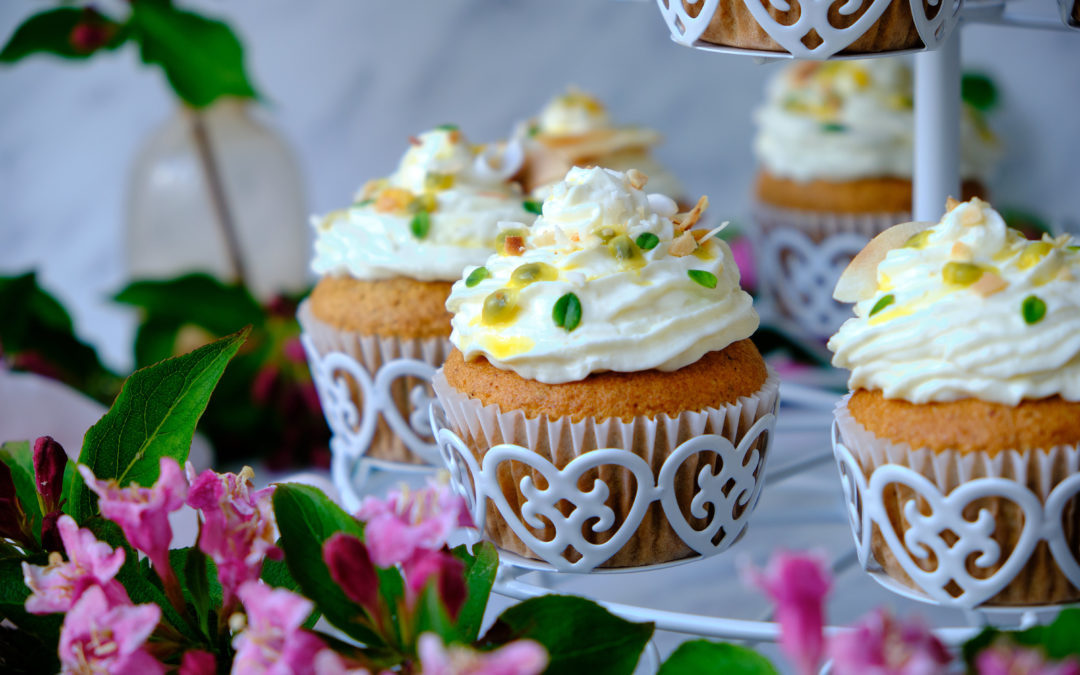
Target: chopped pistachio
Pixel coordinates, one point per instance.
(961, 273)
(706, 279)
(420, 224)
(567, 312)
(1033, 309)
(881, 304)
(500, 307)
(647, 241)
(476, 276)
(532, 206)
(625, 251)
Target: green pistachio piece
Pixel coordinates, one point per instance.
(567, 312)
(1033, 309)
(476, 276)
(833, 127)
(625, 250)
(881, 304)
(706, 279)
(420, 224)
(647, 241)
(533, 206)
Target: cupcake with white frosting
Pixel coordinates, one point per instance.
(576, 129)
(835, 152)
(609, 323)
(964, 355)
(386, 262)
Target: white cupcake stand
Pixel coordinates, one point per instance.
(797, 504)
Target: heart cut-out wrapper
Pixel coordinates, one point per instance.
(965, 528)
(812, 29)
(800, 255)
(374, 390)
(608, 493)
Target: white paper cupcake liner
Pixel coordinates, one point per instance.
(591, 493)
(800, 255)
(965, 528)
(374, 390)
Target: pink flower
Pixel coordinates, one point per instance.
(743, 254)
(880, 645)
(143, 513)
(99, 638)
(798, 584)
(273, 641)
(407, 522)
(521, 657)
(1004, 659)
(350, 567)
(238, 528)
(198, 662)
(90, 564)
(449, 575)
(329, 662)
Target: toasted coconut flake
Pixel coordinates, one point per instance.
(859, 280)
(393, 199)
(989, 283)
(684, 221)
(951, 203)
(637, 178)
(702, 235)
(971, 217)
(514, 245)
(960, 251)
(683, 246)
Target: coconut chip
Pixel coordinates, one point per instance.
(683, 246)
(859, 280)
(637, 178)
(684, 221)
(989, 283)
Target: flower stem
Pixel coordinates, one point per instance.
(218, 201)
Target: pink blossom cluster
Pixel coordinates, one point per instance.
(878, 644)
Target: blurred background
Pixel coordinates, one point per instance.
(345, 82)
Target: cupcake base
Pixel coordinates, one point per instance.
(965, 528)
(608, 492)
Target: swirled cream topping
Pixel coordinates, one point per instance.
(574, 112)
(845, 120)
(968, 308)
(435, 215)
(608, 278)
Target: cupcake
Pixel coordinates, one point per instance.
(835, 149)
(575, 129)
(610, 323)
(386, 263)
(734, 24)
(964, 355)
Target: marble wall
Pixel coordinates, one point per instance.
(349, 80)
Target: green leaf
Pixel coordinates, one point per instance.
(36, 329)
(480, 569)
(533, 206)
(978, 91)
(567, 312)
(13, 595)
(153, 417)
(476, 276)
(19, 457)
(702, 657)
(194, 581)
(197, 299)
(420, 224)
(579, 635)
(647, 241)
(306, 518)
(1057, 640)
(203, 60)
(1033, 309)
(706, 279)
(431, 615)
(881, 304)
(50, 32)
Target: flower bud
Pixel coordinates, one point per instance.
(50, 460)
(351, 568)
(50, 532)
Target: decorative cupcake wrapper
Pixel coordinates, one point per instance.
(585, 494)
(687, 29)
(374, 392)
(965, 528)
(800, 256)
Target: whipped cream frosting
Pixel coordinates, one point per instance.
(574, 112)
(968, 308)
(435, 215)
(845, 120)
(613, 248)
